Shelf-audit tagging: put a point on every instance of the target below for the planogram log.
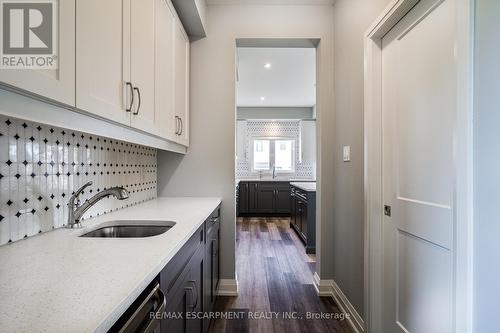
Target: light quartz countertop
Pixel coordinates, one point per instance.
(59, 282)
(306, 186)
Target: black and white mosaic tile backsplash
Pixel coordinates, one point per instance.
(41, 166)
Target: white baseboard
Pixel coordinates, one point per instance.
(227, 287)
(329, 288)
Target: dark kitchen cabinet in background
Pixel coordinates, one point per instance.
(265, 198)
(282, 199)
(243, 197)
(303, 216)
(262, 198)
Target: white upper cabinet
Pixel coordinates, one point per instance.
(103, 84)
(56, 84)
(164, 71)
(181, 84)
(126, 61)
(142, 64)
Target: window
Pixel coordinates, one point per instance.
(273, 153)
(261, 155)
(283, 155)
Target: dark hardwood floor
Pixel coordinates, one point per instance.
(275, 278)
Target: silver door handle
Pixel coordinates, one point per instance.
(139, 96)
(131, 87)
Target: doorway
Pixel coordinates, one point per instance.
(275, 174)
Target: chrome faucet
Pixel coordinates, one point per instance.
(76, 210)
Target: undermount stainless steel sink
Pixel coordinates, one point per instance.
(129, 229)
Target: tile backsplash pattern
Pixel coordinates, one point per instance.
(273, 128)
(41, 166)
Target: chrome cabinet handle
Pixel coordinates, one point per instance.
(139, 105)
(129, 84)
(178, 125)
(193, 291)
(182, 126)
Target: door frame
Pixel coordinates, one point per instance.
(463, 156)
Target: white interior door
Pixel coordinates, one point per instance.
(418, 103)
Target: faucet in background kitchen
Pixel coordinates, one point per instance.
(76, 212)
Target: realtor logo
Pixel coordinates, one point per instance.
(28, 34)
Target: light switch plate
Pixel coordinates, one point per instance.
(347, 153)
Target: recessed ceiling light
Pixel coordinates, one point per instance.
(262, 98)
(268, 65)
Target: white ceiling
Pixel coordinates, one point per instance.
(270, 2)
(289, 82)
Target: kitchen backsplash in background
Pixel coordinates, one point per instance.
(250, 129)
(41, 166)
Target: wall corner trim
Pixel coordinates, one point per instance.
(329, 288)
(227, 287)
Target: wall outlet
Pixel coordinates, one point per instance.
(347, 153)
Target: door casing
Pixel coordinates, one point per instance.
(463, 157)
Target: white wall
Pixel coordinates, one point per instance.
(352, 18)
(209, 168)
(487, 167)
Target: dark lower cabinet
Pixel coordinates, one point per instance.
(243, 195)
(185, 299)
(303, 216)
(263, 198)
(282, 199)
(190, 281)
(212, 266)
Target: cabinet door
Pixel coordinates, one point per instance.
(253, 194)
(293, 207)
(186, 297)
(57, 84)
(243, 197)
(103, 58)
(282, 199)
(303, 219)
(179, 299)
(181, 87)
(164, 73)
(195, 289)
(214, 266)
(298, 214)
(212, 270)
(265, 198)
(142, 64)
